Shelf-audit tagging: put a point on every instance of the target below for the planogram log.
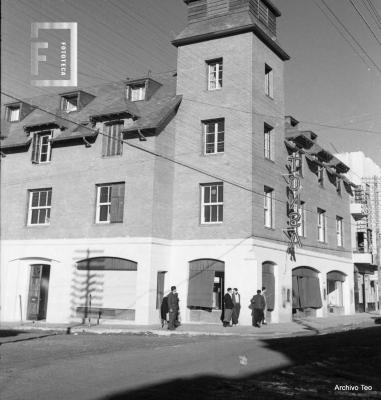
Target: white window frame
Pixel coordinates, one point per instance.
(302, 229)
(268, 207)
(47, 146)
(137, 92)
(269, 81)
(218, 186)
(339, 231)
(47, 207)
(217, 144)
(268, 133)
(215, 74)
(104, 204)
(13, 113)
(322, 226)
(68, 106)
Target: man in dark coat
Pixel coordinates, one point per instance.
(257, 306)
(164, 311)
(228, 303)
(237, 306)
(173, 308)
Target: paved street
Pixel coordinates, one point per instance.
(45, 366)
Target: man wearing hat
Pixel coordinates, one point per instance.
(173, 307)
(237, 306)
(228, 310)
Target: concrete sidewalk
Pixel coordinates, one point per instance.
(302, 327)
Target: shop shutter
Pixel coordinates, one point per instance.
(117, 203)
(200, 290)
(268, 281)
(305, 289)
(295, 293)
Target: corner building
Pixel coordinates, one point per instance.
(172, 180)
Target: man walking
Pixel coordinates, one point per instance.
(257, 307)
(236, 306)
(228, 303)
(173, 307)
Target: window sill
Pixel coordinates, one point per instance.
(269, 97)
(37, 225)
(221, 153)
(210, 223)
(269, 159)
(270, 228)
(116, 155)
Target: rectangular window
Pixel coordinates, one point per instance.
(214, 136)
(268, 142)
(303, 220)
(136, 92)
(322, 225)
(110, 203)
(339, 231)
(40, 204)
(268, 207)
(269, 81)
(112, 144)
(41, 147)
(214, 74)
(69, 103)
(212, 203)
(13, 114)
(321, 175)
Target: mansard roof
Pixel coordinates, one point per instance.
(109, 100)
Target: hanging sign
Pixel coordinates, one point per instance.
(293, 207)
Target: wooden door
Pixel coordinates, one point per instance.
(38, 292)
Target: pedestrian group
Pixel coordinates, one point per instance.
(231, 310)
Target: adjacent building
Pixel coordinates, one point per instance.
(366, 213)
(114, 193)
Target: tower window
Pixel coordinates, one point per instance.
(214, 74)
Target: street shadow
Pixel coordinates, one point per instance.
(377, 320)
(316, 365)
(10, 332)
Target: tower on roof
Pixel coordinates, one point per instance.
(210, 19)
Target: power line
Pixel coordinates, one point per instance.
(348, 33)
(365, 21)
(375, 12)
(165, 157)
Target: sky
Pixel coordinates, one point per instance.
(332, 78)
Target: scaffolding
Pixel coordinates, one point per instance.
(373, 187)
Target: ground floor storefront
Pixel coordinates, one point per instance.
(124, 280)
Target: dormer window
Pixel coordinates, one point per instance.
(69, 103)
(13, 113)
(136, 92)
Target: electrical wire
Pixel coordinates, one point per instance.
(165, 157)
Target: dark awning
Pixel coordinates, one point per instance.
(336, 276)
(107, 264)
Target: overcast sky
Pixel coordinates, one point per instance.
(328, 80)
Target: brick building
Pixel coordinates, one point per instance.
(114, 193)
